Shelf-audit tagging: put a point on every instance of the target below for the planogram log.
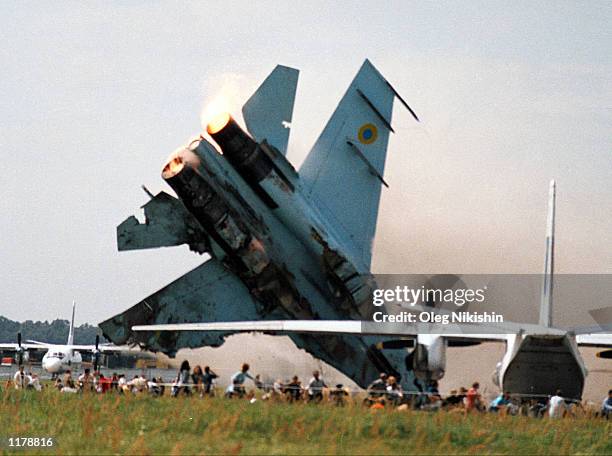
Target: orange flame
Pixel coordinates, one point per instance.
(225, 94)
(173, 167)
(218, 123)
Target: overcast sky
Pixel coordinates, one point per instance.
(95, 98)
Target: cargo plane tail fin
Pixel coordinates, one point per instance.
(71, 330)
(547, 282)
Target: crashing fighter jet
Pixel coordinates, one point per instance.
(283, 244)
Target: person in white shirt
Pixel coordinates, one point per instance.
(556, 405)
(315, 387)
(68, 385)
(236, 386)
(35, 383)
(21, 380)
(86, 381)
(122, 384)
(395, 393)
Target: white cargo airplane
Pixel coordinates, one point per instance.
(59, 358)
(539, 359)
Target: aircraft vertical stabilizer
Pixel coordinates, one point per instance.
(343, 172)
(547, 283)
(71, 330)
(268, 112)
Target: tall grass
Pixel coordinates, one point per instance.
(111, 424)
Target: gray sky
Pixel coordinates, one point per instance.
(94, 99)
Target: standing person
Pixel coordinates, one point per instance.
(114, 381)
(142, 383)
(556, 405)
(503, 400)
(154, 388)
(122, 384)
(433, 400)
(162, 387)
(133, 384)
(21, 380)
(395, 394)
(606, 406)
(197, 377)
(100, 382)
(67, 376)
(259, 384)
(86, 381)
(315, 387)
(208, 380)
(278, 388)
(378, 387)
(293, 389)
(182, 380)
(96, 380)
(236, 387)
(34, 383)
(69, 385)
(537, 407)
(472, 398)
(338, 395)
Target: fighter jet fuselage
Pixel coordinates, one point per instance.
(262, 229)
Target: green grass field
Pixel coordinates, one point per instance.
(113, 424)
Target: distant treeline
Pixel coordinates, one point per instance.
(55, 332)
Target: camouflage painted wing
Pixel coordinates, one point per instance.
(208, 293)
(167, 223)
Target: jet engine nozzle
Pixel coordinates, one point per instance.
(218, 123)
(173, 167)
(235, 143)
(242, 152)
(176, 162)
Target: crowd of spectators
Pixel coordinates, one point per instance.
(383, 392)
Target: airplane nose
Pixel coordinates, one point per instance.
(52, 365)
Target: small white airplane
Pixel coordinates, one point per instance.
(60, 358)
(539, 359)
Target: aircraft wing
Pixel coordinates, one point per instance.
(105, 348)
(167, 223)
(267, 114)
(346, 327)
(35, 342)
(352, 150)
(603, 340)
(207, 293)
(285, 326)
(26, 346)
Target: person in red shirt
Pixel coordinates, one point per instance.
(104, 383)
(472, 398)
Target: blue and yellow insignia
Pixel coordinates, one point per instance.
(368, 133)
